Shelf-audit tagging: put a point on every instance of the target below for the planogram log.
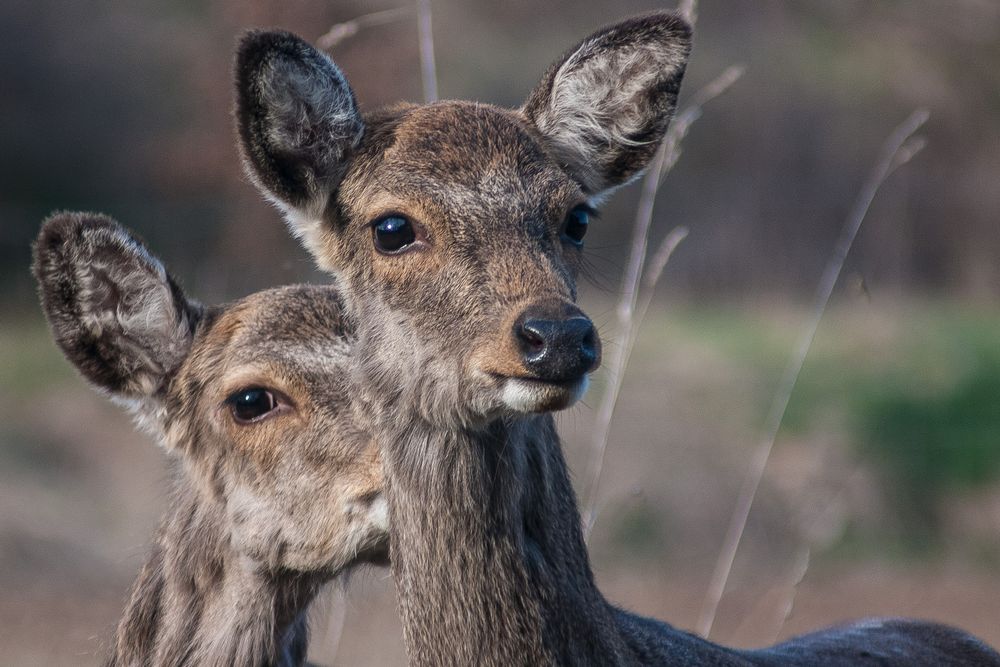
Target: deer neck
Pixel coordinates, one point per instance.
(487, 551)
(198, 601)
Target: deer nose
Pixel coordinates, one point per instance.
(557, 344)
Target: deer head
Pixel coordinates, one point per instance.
(455, 229)
(250, 396)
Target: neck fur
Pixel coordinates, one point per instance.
(197, 601)
(487, 550)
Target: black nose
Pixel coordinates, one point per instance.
(558, 343)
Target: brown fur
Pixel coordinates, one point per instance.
(263, 513)
(487, 553)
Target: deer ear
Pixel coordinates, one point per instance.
(112, 308)
(605, 106)
(297, 119)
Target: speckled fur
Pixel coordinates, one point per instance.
(487, 553)
(605, 106)
(262, 514)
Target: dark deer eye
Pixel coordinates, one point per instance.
(575, 227)
(393, 233)
(249, 405)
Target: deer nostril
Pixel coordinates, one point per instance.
(588, 344)
(532, 338)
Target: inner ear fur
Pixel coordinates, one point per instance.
(297, 119)
(113, 309)
(604, 107)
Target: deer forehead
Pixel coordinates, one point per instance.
(460, 164)
(454, 138)
(292, 339)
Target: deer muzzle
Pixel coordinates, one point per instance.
(557, 342)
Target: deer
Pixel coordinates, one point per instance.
(455, 232)
(276, 489)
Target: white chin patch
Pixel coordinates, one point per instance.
(533, 396)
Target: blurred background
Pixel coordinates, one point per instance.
(886, 470)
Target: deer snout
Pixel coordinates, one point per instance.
(558, 343)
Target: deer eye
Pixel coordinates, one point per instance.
(575, 227)
(393, 234)
(251, 404)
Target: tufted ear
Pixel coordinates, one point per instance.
(112, 308)
(605, 106)
(297, 120)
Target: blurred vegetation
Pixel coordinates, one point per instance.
(29, 361)
(916, 389)
(930, 442)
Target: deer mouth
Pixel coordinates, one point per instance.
(526, 394)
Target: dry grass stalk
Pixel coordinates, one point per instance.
(342, 31)
(628, 319)
(897, 150)
(682, 123)
(689, 10)
(428, 70)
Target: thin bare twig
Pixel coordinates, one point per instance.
(428, 71)
(816, 533)
(682, 123)
(619, 354)
(665, 158)
(689, 10)
(803, 557)
(335, 620)
(342, 31)
(897, 150)
(654, 270)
